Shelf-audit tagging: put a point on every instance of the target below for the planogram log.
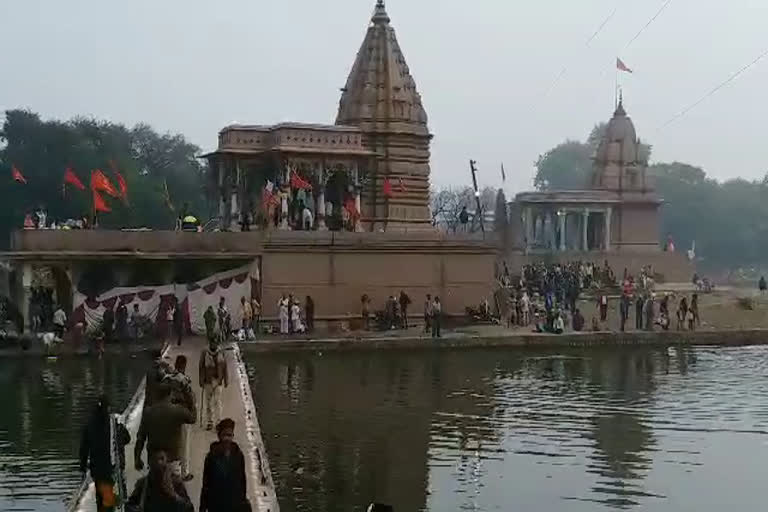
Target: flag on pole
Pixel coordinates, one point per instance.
(299, 182)
(386, 188)
(71, 178)
(621, 66)
(99, 205)
(121, 184)
(17, 176)
(503, 174)
(99, 182)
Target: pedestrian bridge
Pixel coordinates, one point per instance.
(237, 404)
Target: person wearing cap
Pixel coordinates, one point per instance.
(224, 486)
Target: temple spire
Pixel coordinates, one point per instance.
(380, 13)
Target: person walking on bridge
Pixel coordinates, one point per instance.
(160, 429)
(224, 484)
(182, 394)
(159, 491)
(213, 375)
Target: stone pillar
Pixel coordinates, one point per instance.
(529, 225)
(562, 218)
(608, 214)
(283, 210)
(222, 201)
(320, 203)
(584, 227)
(549, 232)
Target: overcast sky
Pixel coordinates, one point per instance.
(484, 68)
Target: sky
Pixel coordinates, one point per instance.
(487, 71)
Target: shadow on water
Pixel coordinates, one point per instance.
(44, 405)
(499, 429)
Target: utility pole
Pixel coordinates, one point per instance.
(477, 194)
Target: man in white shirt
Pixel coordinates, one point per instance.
(307, 220)
(59, 322)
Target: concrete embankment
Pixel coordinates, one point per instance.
(733, 337)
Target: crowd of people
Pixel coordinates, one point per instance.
(169, 411)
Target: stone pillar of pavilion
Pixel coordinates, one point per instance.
(380, 97)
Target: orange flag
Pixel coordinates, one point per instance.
(122, 185)
(17, 176)
(101, 183)
(99, 205)
(621, 66)
(71, 178)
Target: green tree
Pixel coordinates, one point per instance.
(42, 150)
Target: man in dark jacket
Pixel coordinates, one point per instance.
(96, 453)
(159, 491)
(178, 321)
(224, 484)
(405, 301)
(160, 429)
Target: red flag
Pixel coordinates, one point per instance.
(71, 178)
(101, 183)
(621, 66)
(17, 176)
(122, 185)
(299, 182)
(386, 188)
(99, 205)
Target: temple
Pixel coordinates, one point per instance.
(616, 216)
(367, 172)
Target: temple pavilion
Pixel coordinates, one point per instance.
(619, 211)
(367, 172)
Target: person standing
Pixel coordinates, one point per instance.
(121, 322)
(167, 326)
(291, 314)
(695, 310)
(762, 285)
(682, 314)
(108, 323)
(246, 312)
(405, 301)
(603, 303)
(282, 307)
(178, 321)
(59, 322)
(309, 313)
(160, 429)
(577, 321)
(209, 317)
(428, 314)
(624, 310)
(224, 486)
(96, 453)
(213, 375)
(256, 308)
(437, 313)
(224, 320)
(639, 303)
(181, 394)
(650, 313)
(159, 491)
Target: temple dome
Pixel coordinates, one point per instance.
(619, 142)
(380, 93)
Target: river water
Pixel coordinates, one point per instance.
(498, 430)
(43, 406)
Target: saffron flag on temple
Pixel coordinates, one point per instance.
(17, 176)
(621, 66)
(299, 182)
(100, 183)
(99, 205)
(386, 188)
(71, 178)
(121, 184)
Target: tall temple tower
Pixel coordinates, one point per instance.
(380, 97)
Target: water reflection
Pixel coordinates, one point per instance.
(44, 404)
(499, 430)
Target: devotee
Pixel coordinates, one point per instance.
(309, 313)
(256, 308)
(639, 303)
(213, 375)
(246, 311)
(181, 394)
(121, 321)
(650, 312)
(391, 309)
(682, 314)
(282, 307)
(178, 321)
(160, 429)
(159, 491)
(155, 375)
(428, 314)
(224, 320)
(209, 317)
(224, 483)
(603, 304)
(577, 321)
(297, 326)
(307, 218)
(96, 453)
(762, 285)
(695, 310)
(404, 301)
(558, 326)
(624, 310)
(437, 313)
(59, 322)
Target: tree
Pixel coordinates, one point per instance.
(42, 150)
(447, 203)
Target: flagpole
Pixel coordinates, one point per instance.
(616, 88)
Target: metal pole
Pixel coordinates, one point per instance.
(477, 194)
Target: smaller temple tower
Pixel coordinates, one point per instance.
(380, 98)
